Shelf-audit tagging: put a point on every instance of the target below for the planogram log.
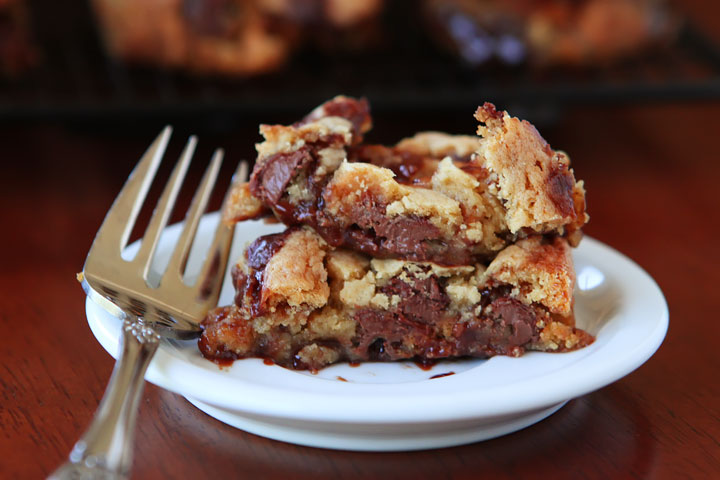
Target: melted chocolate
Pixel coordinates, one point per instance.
(509, 325)
(409, 168)
(258, 254)
(505, 327)
(269, 182)
(424, 300)
(223, 362)
(355, 111)
(560, 187)
(477, 171)
(425, 364)
(377, 332)
(412, 328)
(373, 233)
(210, 349)
(378, 235)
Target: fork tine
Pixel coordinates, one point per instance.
(164, 208)
(211, 278)
(240, 174)
(124, 210)
(178, 260)
(127, 205)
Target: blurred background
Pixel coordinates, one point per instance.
(217, 63)
(629, 88)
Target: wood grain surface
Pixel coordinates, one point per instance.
(653, 180)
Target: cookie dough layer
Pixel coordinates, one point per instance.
(453, 200)
(305, 305)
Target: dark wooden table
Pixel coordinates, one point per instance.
(653, 180)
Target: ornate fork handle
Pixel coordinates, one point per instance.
(105, 449)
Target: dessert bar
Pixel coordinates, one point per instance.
(441, 246)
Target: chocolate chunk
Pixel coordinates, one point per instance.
(379, 335)
(560, 185)
(378, 235)
(519, 317)
(403, 233)
(509, 325)
(382, 335)
(260, 251)
(356, 112)
(372, 216)
(268, 183)
(406, 166)
(422, 300)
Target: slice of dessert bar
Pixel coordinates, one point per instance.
(304, 304)
(448, 199)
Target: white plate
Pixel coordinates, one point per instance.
(397, 406)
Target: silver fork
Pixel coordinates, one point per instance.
(172, 309)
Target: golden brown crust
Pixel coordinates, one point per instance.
(288, 139)
(241, 205)
(296, 274)
(439, 145)
(558, 336)
(541, 271)
(534, 182)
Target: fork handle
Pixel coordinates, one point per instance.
(105, 449)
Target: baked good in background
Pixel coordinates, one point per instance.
(549, 32)
(234, 37)
(247, 37)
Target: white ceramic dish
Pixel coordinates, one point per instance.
(398, 406)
